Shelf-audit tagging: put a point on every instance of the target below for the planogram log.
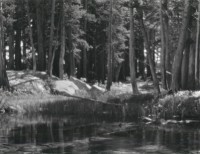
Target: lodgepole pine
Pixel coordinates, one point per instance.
(4, 83)
(147, 46)
(50, 58)
(132, 52)
(62, 35)
(110, 58)
(176, 68)
(31, 36)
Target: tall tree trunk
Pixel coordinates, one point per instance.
(191, 72)
(163, 47)
(62, 51)
(185, 65)
(84, 50)
(31, 37)
(50, 58)
(4, 83)
(117, 71)
(141, 59)
(185, 61)
(24, 44)
(71, 52)
(95, 55)
(149, 52)
(197, 56)
(101, 67)
(132, 52)
(18, 55)
(167, 44)
(11, 47)
(41, 53)
(179, 52)
(110, 58)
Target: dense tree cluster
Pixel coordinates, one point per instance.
(103, 40)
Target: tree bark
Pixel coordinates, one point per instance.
(84, 50)
(185, 66)
(167, 43)
(41, 53)
(18, 55)
(141, 58)
(24, 46)
(132, 52)
(31, 37)
(149, 52)
(11, 47)
(62, 51)
(179, 52)
(163, 47)
(4, 83)
(110, 58)
(50, 58)
(197, 56)
(71, 52)
(117, 71)
(191, 71)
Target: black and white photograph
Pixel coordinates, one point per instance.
(99, 76)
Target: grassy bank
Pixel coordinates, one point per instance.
(37, 93)
(182, 105)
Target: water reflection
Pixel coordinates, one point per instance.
(67, 135)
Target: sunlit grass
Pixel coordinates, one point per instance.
(180, 105)
(59, 105)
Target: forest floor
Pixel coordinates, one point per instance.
(27, 83)
(30, 90)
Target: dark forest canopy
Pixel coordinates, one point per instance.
(103, 40)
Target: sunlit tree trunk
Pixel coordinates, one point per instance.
(4, 83)
(132, 52)
(31, 37)
(50, 58)
(176, 68)
(110, 58)
(62, 51)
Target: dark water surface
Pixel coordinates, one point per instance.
(66, 135)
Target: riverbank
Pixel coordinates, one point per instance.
(31, 90)
(32, 93)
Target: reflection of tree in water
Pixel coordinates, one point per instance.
(59, 135)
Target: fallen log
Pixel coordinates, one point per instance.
(89, 99)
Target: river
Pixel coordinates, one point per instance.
(73, 135)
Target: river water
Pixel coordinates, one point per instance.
(73, 135)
